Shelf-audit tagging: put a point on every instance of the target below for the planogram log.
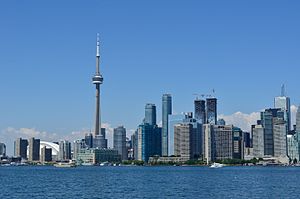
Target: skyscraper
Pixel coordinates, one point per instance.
(34, 149)
(298, 120)
(64, 150)
(89, 140)
(258, 141)
(183, 140)
(150, 114)
(98, 80)
(166, 111)
(120, 142)
(199, 112)
(211, 110)
(283, 102)
(172, 121)
(46, 155)
(21, 148)
(2, 150)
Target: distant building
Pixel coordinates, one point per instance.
(34, 149)
(298, 120)
(89, 140)
(64, 150)
(21, 148)
(97, 156)
(293, 147)
(258, 141)
(100, 141)
(283, 102)
(211, 111)
(78, 145)
(166, 111)
(2, 150)
(182, 140)
(208, 143)
(227, 143)
(120, 142)
(172, 121)
(280, 135)
(199, 106)
(150, 114)
(46, 155)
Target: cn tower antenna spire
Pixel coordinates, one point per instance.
(98, 80)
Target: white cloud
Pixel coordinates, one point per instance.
(244, 120)
(241, 120)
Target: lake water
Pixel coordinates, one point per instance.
(149, 182)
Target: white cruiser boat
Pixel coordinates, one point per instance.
(216, 165)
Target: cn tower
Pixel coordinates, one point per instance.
(98, 80)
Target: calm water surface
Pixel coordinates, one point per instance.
(149, 182)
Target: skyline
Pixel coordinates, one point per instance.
(143, 57)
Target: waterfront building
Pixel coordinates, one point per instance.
(172, 121)
(258, 141)
(166, 111)
(211, 111)
(34, 149)
(54, 148)
(283, 102)
(199, 110)
(293, 147)
(97, 156)
(64, 150)
(208, 143)
(227, 143)
(148, 139)
(120, 142)
(2, 150)
(78, 145)
(20, 146)
(280, 136)
(46, 155)
(150, 114)
(88, 140)
(182, 140)
(267, 120)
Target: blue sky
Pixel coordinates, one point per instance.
(244, 50)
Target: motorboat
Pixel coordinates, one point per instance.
(216, 166)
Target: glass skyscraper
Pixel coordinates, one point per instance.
(150, 114)
(284, 104)
(211, 111)
(199, 112)
(298, 120)
(166, 111)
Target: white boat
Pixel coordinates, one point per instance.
(216, 165)
(64, 165)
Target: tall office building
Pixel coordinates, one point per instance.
(97, 80)
(283, 102)
(208, 143)
(150, 114)
(293, 147)
(34, 149)
(182, 140)
(199, 106)
(172, 121)
(46, 155)
(89, 140)
(211, 111)
(227, 143)
(64, 150)
(298, 120)
(21, 148)
(267, 121)
(2, 150)
(280, 136)
(258, 141)
(120, 142)
(79, 145)
(166, 111)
